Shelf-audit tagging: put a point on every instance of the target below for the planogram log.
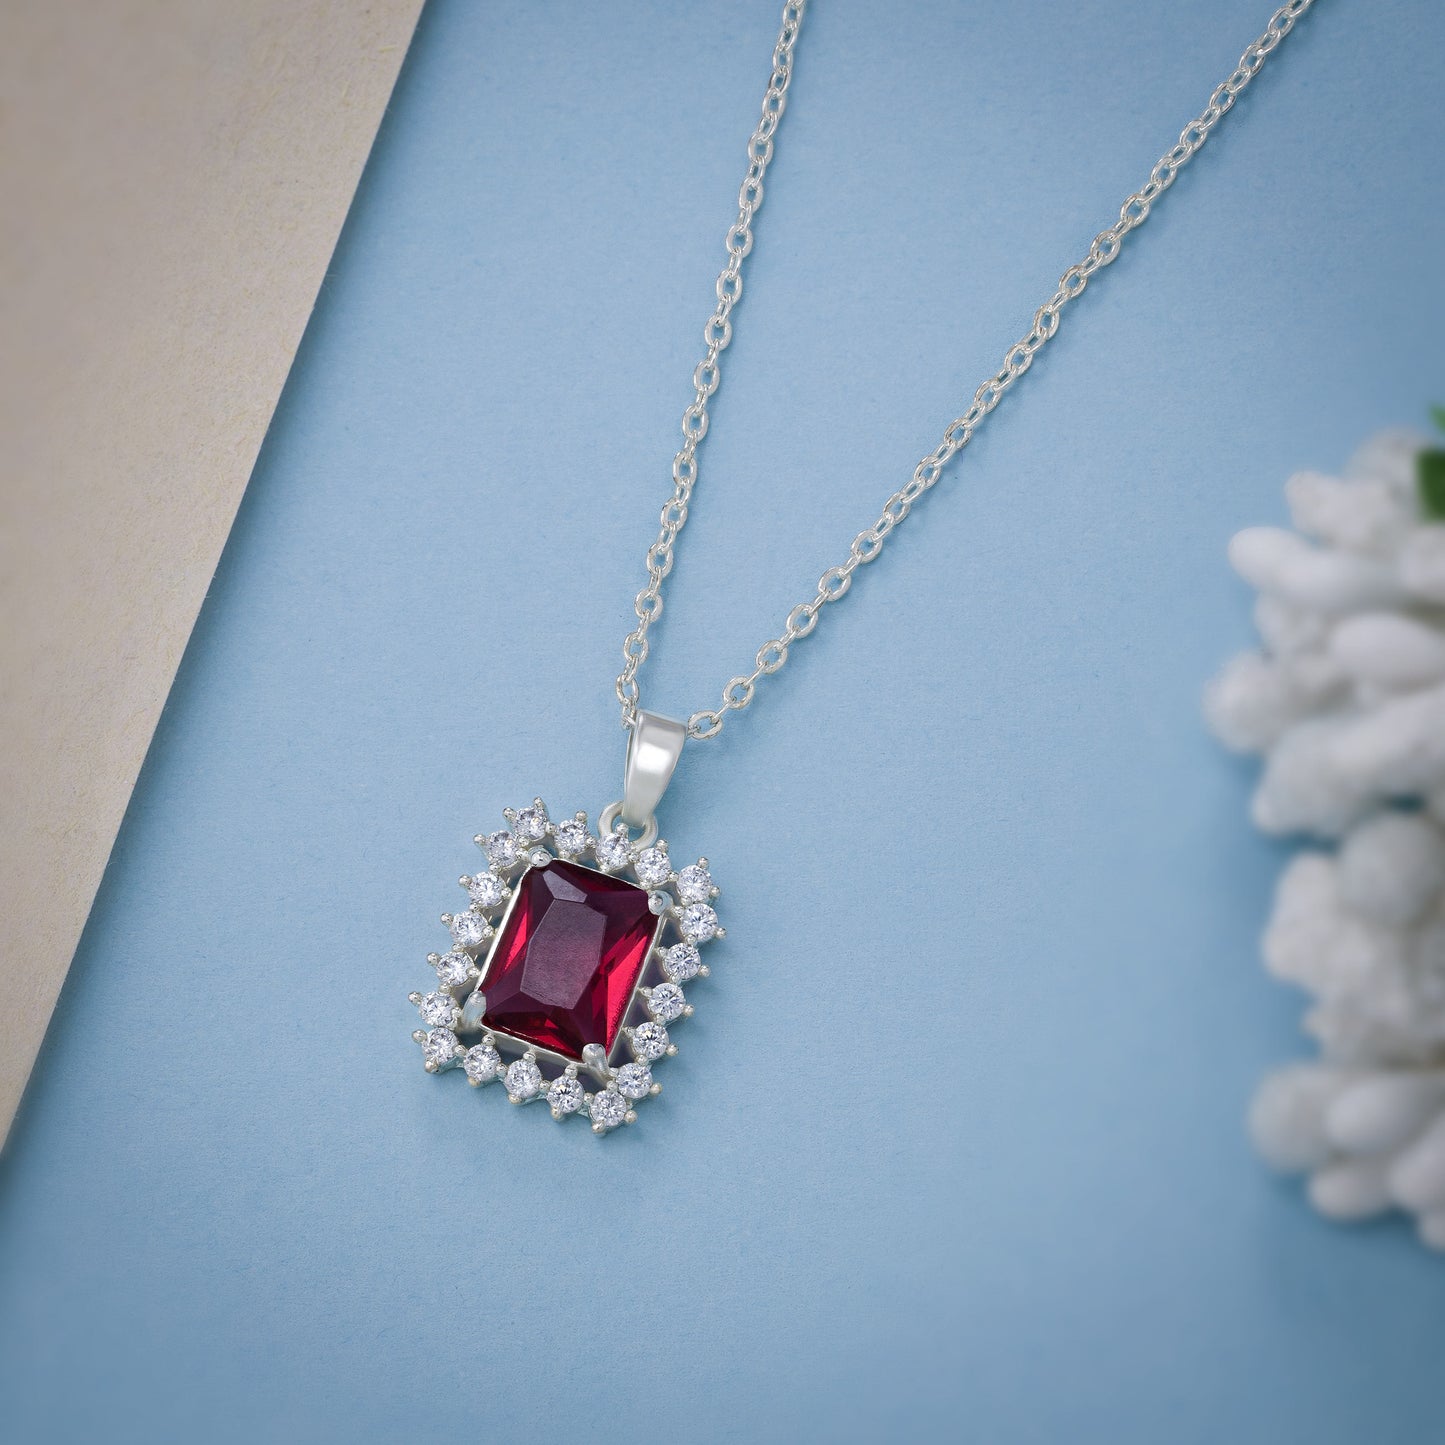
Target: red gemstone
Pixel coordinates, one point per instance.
(569, 956)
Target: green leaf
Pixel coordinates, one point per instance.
(1437, 415)
(1430, 476)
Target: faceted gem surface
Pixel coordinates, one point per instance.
(568, 959)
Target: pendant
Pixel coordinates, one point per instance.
(566, 969)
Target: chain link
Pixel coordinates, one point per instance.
(835, 582)
(716, 334)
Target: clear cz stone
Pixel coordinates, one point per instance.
(649, 1042)
(681, 962)
(634, 1080)
(454, 969)
(487, 890)
(609, 1109)
(653, 867)
(469, 928)
(482, 1063)
(439, 1010)
(613, 850)
(666, 1003)
(524, 1079)
(501, 849)
(698, 923)
(440, 1047)
(565, 1095)
(571, 838)
(531, 824)
(694, 884)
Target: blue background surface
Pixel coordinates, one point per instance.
(953, 1147)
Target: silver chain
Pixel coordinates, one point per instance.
(835, 582)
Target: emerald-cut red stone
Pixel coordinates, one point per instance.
(569, 956)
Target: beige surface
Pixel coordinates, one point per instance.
(175, 176)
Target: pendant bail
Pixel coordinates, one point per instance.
(653, 748)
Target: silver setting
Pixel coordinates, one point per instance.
(612, 1086)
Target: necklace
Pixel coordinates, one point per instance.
(567, 965)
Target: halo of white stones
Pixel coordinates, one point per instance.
(683, 898)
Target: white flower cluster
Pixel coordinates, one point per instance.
(1346, 703)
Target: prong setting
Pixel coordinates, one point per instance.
(682, 900)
